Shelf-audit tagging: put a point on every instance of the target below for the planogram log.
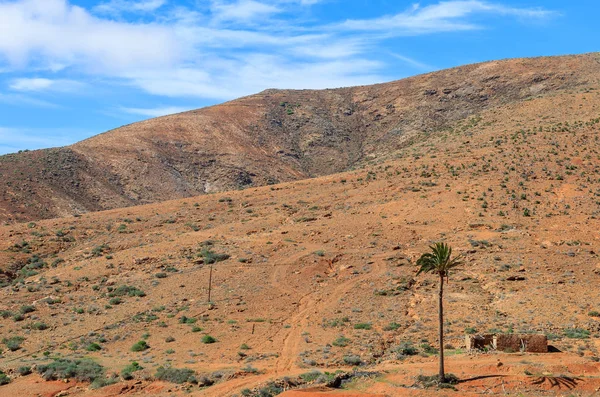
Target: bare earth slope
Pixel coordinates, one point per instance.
(272, 137)
(319, 274)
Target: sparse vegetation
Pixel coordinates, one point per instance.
(140, 346)
(127, 372)
(13, 343)
(83, 370)
(175, 375)
(342, 341)
(4, 379)
(126, 290)
(207, 339)
(576, 333)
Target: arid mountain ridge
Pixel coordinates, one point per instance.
(272, 137)
(249, 289)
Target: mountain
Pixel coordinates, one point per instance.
(277, 136)
(282, 286)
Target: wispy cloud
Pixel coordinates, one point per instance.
(412, 62)
(25, 100)
(241, 10)
(128, 6)
(43, 84)
(445, 16)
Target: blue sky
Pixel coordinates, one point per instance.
(70, 69)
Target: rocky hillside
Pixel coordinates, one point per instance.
(277, 136)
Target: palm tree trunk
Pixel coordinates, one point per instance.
(441, 328)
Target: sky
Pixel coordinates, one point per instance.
(70, 69)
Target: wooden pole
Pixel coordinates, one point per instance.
(210, 283)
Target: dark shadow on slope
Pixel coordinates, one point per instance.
(560, 382)
(480, 377)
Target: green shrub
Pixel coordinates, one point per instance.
(362, 326)
(131, 368)
(115, 301)
(208, 339)
(38, 326)
(102, 382)
(84, 370)
(310, 376)
(427, 348)
(140, 346)
(187, 320)
(127, 290)
(175, 375)
(406, 349)
(352, 360)
(271, 389)
(27, 309)
(13, 343)
(391, 327)
(250, 369)
(4, 379)
(211, 257)
(24, 371)
(594, 313)
(576, 333)
(18, 317)
(93, 347)
(342, 341)
(99, 250)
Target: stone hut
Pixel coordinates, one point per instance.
(479, 342)
(530, 343)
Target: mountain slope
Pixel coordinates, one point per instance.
(275, 136)
(320, 274)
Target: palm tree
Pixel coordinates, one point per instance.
(439, 261)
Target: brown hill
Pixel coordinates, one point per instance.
(319, 274)
(275, 136)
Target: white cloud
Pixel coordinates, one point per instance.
(24, 100)
(43, 84)
(413, 62)
(444, 16)
(227, 49)
(155, 112)
(54, 31)
(123, 6)
(231, 78)
(241, 10)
